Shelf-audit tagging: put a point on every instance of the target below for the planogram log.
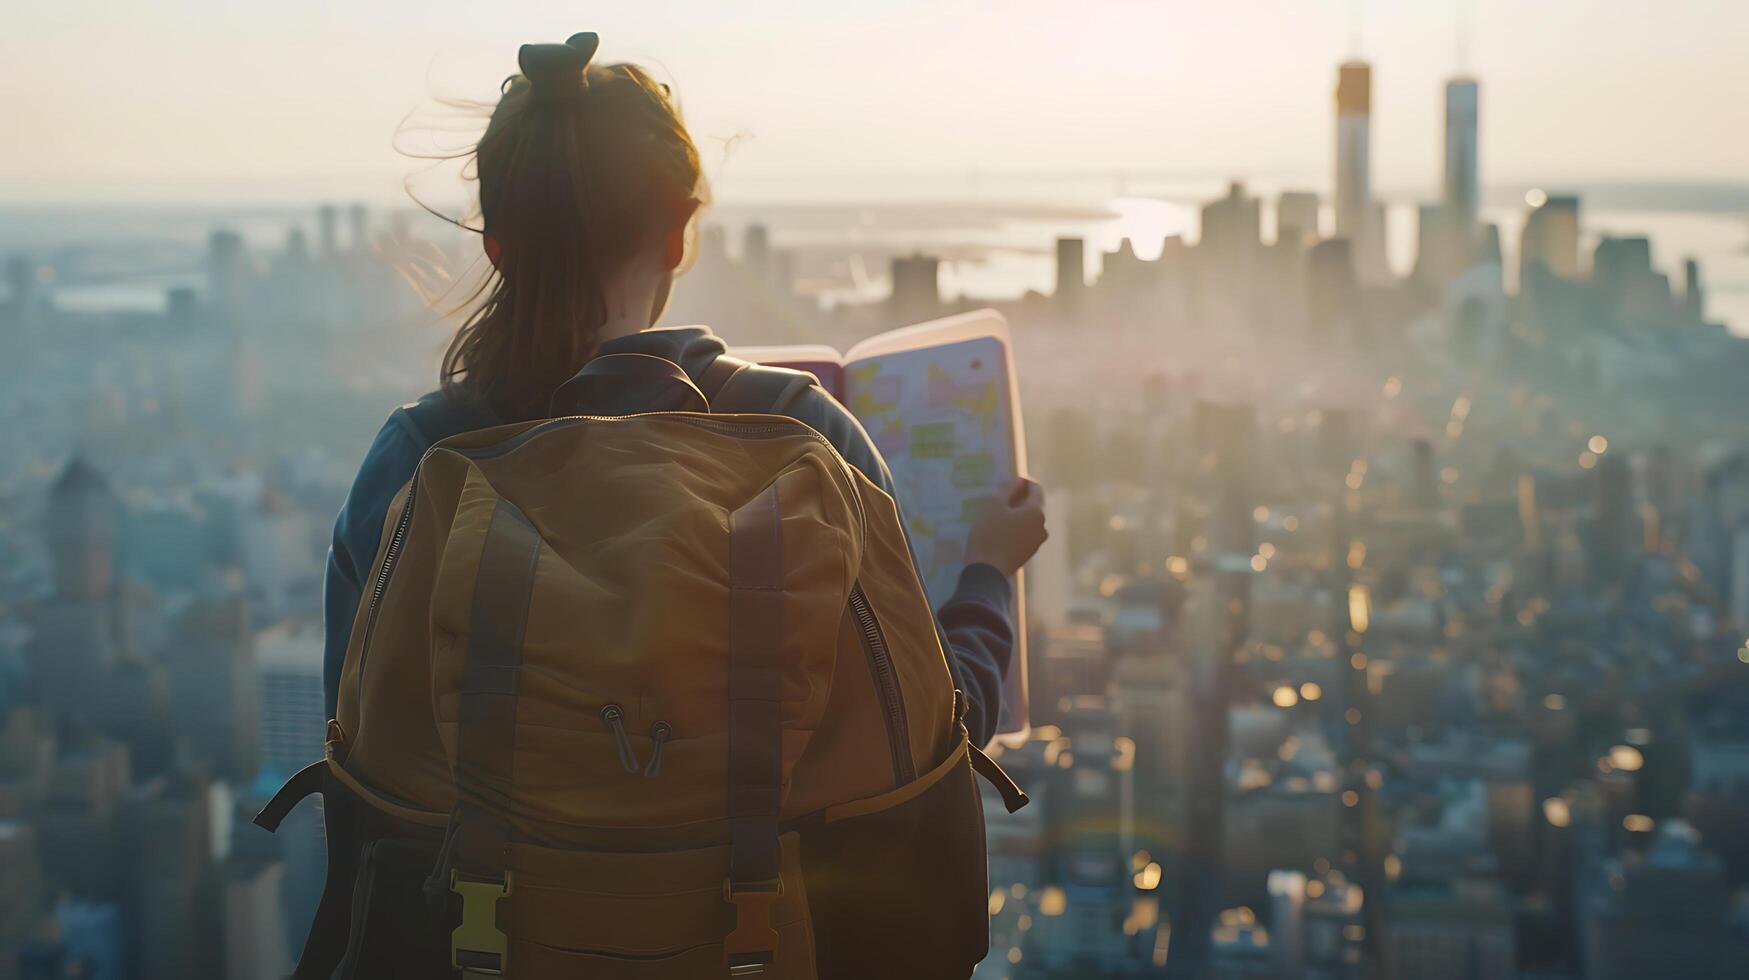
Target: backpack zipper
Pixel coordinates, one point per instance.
(881, 663)
(390, 554)
(749, 429)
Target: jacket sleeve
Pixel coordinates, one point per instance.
(977, 626)
(976, 623)
(387, 465)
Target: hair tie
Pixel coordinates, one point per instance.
(556, 71)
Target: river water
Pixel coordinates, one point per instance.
(996, 236)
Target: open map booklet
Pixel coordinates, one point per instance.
(940, 401)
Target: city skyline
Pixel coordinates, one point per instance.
(1393, 620)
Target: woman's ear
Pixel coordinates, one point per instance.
(674, 241)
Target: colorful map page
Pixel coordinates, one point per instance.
(941, 416)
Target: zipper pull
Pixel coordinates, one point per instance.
(615, 717)
(660, 732)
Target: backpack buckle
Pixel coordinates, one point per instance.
(752, 946)
(478, 946)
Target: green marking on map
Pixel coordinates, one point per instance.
(971, 508)
(973, 470)
(863, 404)
(932, 440)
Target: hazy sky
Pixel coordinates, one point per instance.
(187, 99)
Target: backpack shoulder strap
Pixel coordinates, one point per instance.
(715, 377)
(734, 385)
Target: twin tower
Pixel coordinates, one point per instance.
(1358, 218)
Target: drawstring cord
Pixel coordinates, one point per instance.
(615, 716)
(660, 732)
(436, 885)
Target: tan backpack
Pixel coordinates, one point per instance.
(651, 696)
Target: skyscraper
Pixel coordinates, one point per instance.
(1353, 149)
(1089, 889)
(1231, 231)
(1423, 481)
(1663, 911)
(1296, 217)
(176, 909)
(1332, 295)
(1435, 235)
(1228, 252)
(1359, 218)
(1693, 296)
(254, 938)
(756, 253)
(1459, 928)
(328, 220)
(20, 881)
(1226, 438)
(227, 270)
(212, 674)
(1551, 236)
(1071, 275)
(358, 218)
(289, 697)
(1462, 178)
(1617, 534)
(289, 716)
(81, 528)
(916, 288)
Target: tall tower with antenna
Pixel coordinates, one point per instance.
(1353, 149)
(1359, 219)
(1353, 136)
(1462, 184)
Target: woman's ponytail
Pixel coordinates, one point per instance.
(580, 166)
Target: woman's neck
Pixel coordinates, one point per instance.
(631, 300)
(617, 327)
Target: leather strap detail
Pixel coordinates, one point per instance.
(1013, 797)
(486, 733)
(306, 782)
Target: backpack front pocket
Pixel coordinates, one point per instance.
(898, 881)
(642, 915)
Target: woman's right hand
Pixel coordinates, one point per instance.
(1011, 528)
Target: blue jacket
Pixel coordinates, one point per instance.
(976, 623)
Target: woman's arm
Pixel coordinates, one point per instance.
(977, 630)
